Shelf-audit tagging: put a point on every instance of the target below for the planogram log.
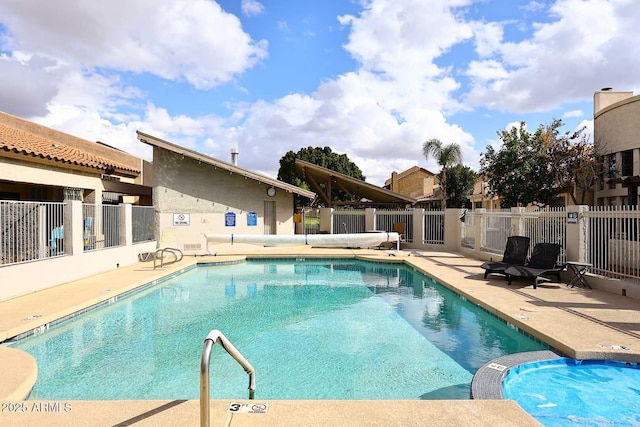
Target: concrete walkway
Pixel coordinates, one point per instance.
(581, 323)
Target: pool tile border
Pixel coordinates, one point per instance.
(113, 299)
(487, 381)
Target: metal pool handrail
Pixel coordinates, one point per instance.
(159, 255)
(215, 336)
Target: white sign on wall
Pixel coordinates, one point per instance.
(181, 219)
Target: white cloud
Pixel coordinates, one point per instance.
(357, 112)
(584, 41)
(55, 49)
(252, 7)
(282, 25)
(27, 86)
(512, 125)
(573, 113)
(488, 70)
(588, 129)
(487, 37)
(534, 6)
(379, 113)
(404, 47)
(92, 126)
(193, 41)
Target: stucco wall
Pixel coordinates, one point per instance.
(41, 174)
(28, 277)
(15, 170)
(207, 194)
(416, 184)
(617, 126)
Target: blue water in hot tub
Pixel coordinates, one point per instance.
(561, 392)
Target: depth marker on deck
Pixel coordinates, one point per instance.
(248, 408)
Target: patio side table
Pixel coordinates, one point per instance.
(579, 269)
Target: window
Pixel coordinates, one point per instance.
(601, 171)
(70, 193)
(111, 198)
(612, 166)
(627, 163)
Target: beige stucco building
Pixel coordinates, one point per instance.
(52, 185)
(418, 183)
(616, 128)
(38, 163)
(196, 194)
(481, 198)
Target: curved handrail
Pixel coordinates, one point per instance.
(215, 336)
(159, 254)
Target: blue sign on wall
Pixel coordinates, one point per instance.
(252, 219)
(230, 219)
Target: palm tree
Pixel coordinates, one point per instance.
(446, 156)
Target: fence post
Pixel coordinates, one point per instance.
(478, 227)
(517, 226)
(326, 220)
(369, 219)
(452, 229)
(576, 235)
(73, 227)
(44, 235)
(126, 229)
(418, 227)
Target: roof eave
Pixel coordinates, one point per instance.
(158, 142)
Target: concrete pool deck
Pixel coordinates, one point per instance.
(581, 323)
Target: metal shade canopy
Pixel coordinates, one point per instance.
(360, 192)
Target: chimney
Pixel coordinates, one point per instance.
(234, 156)
(606, 97)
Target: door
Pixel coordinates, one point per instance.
(270, 217)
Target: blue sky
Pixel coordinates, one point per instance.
(372, 79)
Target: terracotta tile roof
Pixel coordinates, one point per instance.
(21, 142)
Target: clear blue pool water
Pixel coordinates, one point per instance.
(562, 392)
(312, 329)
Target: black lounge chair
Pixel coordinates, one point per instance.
(543, 261)
(515, 253)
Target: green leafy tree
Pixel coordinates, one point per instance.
(573, 158)
(536, 167)
(519, 172)
(460, 182)
(446, 156)
(323, 157)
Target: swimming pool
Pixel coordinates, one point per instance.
(565, 391)
(312, 329)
